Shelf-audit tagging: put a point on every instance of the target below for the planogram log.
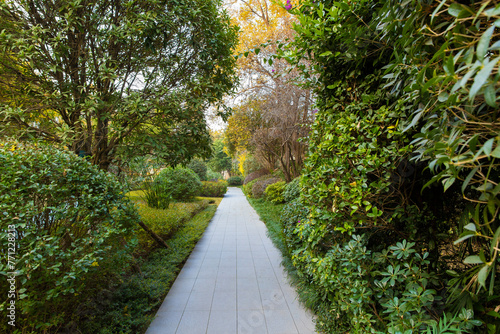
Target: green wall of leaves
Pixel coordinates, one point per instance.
(401, 181)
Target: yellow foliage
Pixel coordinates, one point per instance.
(241, 160)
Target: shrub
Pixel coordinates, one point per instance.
(387, 121)
(213, 189)
(68, 221)
(247, 188)
(182, 183)
(199, 167)
(274, 192)
(235, 181)
(292, 190)
(255, 175)
(260, 186)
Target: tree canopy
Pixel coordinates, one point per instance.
(103, 76)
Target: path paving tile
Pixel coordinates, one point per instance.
(232, 283)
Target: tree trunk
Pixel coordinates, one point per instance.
(153, 235)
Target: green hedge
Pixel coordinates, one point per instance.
(213, 188)
(67, 224)
(400, 183)
(235, 181)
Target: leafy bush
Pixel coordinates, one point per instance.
(213, 189)
(255, 175)
(274, 192)
(235, 181)
(182, 183)
(69, 222)
(260, 186)
(292, 190)
(199, 167)
(247, 188)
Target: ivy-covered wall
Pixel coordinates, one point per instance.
(398, 228)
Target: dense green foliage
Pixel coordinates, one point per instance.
(199, 167)
(164, 222)
(220, 161)
(274, 192)
(116, 79)
(213, 188)
(157, 194)
(407, 97)
(65, 229)
(235, 181)
(292, 190)
(182, 183)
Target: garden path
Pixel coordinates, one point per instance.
(233, 282)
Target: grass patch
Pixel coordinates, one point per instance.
(130, 306)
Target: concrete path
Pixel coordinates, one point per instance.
(232, 283)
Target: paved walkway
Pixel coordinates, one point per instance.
(233, 282)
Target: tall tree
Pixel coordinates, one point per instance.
(269, 91)
(100, 74)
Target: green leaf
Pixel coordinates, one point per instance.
(470, 227)
(438, 8)
(493, 314)
(455, 9)
(468, 178)
(327, 53)
(464, 236)
(496, 152)
(490, 95)
(473, 259)
(473, 143)
(482, 275)
(448, 183)
(484, 42)
(488, 146)
(481, 77)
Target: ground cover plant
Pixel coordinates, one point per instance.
(164, 222)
